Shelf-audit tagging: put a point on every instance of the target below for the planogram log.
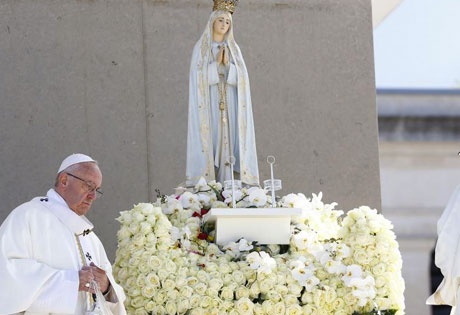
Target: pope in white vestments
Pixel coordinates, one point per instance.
(48, 249)
(447, 256)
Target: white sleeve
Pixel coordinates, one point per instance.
(213, 74)
(232, 78)
(28, 284)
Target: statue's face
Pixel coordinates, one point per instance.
(221, 24)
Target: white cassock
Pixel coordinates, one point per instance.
(447, 255)
(40, 259)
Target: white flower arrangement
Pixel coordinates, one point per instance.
(168, 264)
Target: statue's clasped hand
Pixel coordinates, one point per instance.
(222, 55)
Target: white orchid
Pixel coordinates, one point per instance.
(352, 272)
(188, 200)
(173, 205)
(253, 260)
(232, 249)
(261, 261)
(292, 201)
(227, 194)
(201, 185)
(363, 289)
(257, 196)
(204, 199)
(305, 239)
(244, 245)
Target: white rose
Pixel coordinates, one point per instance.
(141, 311)
(123, 233)
(168, 284)
(183, 305)
(122, 274)
(125, 217)
(194, 301)
(241, 292)
(186, 291)
(244, 306)
(216, 283)
(203, 276)
(290, 300)
(279, 308)
(294, 309)
(213, 293)
(295, 289)
(131, 282)
(160, 297)
(170, 266)
(163, 274)
(192, 281)
(254, 290)
(138, 302)
(266, 285)
(226, 293)
(149, 306)
(274, 296)
(225, 268)
(338, 304)
(148, 291)
(309, 309)
(205, 302)
(268, 307)
(379, 269)
(171, 308)
(281, 289)
(213, 249)
(239, 277)
(200, 288)
(155, 262)
(258, 309)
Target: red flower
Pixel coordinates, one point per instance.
(202, 236)
(200, 214)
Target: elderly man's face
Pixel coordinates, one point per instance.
(78, 195)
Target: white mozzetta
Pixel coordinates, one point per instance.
(266, 226)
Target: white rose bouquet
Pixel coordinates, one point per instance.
(168, 263)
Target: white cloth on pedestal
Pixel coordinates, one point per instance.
(40, 260)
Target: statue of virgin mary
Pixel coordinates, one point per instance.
(220, 120)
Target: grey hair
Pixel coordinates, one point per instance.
(71, 169)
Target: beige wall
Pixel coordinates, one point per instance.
(110, 79)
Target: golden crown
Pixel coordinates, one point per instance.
(225, 5)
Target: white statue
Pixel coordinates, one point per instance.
(220, 121)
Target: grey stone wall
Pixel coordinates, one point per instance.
(110, 78)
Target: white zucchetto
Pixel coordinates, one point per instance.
(73, 159)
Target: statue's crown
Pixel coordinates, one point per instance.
(225, 5)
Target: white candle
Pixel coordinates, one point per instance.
(271, 160)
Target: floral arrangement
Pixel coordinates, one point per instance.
(168, 263)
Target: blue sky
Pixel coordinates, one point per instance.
(418, 46)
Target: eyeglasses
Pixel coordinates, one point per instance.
(89, 187)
